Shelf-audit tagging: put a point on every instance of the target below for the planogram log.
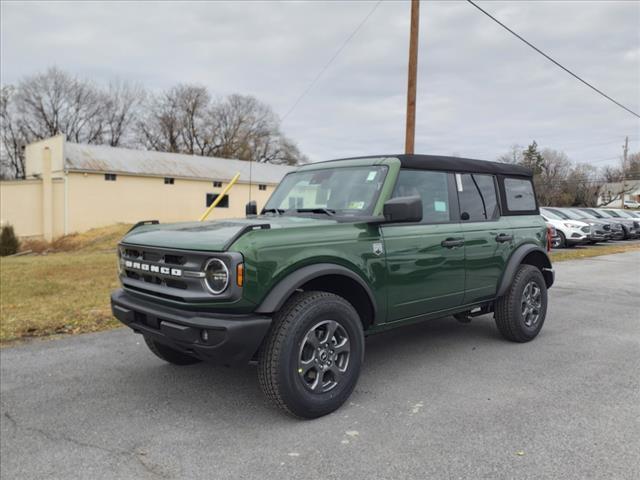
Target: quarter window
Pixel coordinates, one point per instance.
(477, 195)
(519, 195)
(431, 187)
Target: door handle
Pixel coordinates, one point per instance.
(452, 242)
(503, 237)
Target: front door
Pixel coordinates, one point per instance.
(425, 261)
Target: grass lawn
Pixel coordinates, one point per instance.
(64, 292)
(56, 293)
(577, 253)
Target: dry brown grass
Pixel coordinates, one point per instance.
(57, 293)
(63, 290)
(577, 253)
(96, 239)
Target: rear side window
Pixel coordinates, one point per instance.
(431, 187)
(477, 196)
(519, 195)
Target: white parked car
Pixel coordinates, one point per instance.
(631, 204)
(571, 232)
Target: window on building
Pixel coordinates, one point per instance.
(520, 196)
(211, 197)
(169, 180)
(431, 187)
(477, 196)
(110, 177)
(262, 187)
(217, 184)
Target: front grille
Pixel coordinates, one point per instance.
(163, 273)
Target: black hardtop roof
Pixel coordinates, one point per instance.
(454, 164)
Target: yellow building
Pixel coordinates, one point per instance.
(71, 187)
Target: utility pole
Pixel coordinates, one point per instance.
(410, 134)
(625, 154)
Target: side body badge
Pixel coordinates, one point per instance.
(378, 249)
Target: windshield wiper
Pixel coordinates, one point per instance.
(278, 211)
(326, 211)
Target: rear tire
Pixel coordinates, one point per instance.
(169, 354)
(521, 312)
(310, 361)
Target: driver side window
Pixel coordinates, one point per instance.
(433, 190)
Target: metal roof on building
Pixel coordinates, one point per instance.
(105, 159)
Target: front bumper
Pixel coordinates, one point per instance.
(229, 339)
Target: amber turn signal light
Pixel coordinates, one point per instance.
(240, 274)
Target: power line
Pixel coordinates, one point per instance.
(553, 61)
(335, 55)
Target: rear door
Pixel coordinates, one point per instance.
(488, 236)
(425, 261)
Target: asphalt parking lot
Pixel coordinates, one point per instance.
(436, 400)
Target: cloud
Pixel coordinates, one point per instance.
(479, 89)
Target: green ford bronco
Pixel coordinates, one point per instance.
(341, 250)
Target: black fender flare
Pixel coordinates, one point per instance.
(515, 260)
(289, 284)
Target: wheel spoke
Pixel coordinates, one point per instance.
(331, 330)
(317, 382)
(312, 339)
(337, 372)
(342, 347)
(306, 365)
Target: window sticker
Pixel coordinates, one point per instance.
(372, 176)
(459, 182)
(439, 206)
(356, 205)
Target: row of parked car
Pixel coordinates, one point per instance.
(581, 225)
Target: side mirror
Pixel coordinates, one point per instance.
(251, 208)
(403, 209)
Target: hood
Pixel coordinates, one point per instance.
(217, 235)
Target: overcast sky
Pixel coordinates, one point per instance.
(480, 89)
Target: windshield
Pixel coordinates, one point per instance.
(612, 213)
(604, 214)
(607, 213)
(345, 191)
(585, 213)
(558, 213)
(548, 214)
(593, 212)
(571, 214)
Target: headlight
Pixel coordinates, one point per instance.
(216, 276)
(568, 225)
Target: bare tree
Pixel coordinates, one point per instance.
(54, 102)
(121, 104)
(13, 140)
(514, 155)
(185, 119)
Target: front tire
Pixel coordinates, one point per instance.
(563, 240)
(521, 312)
(310, 361)
(169, 354)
